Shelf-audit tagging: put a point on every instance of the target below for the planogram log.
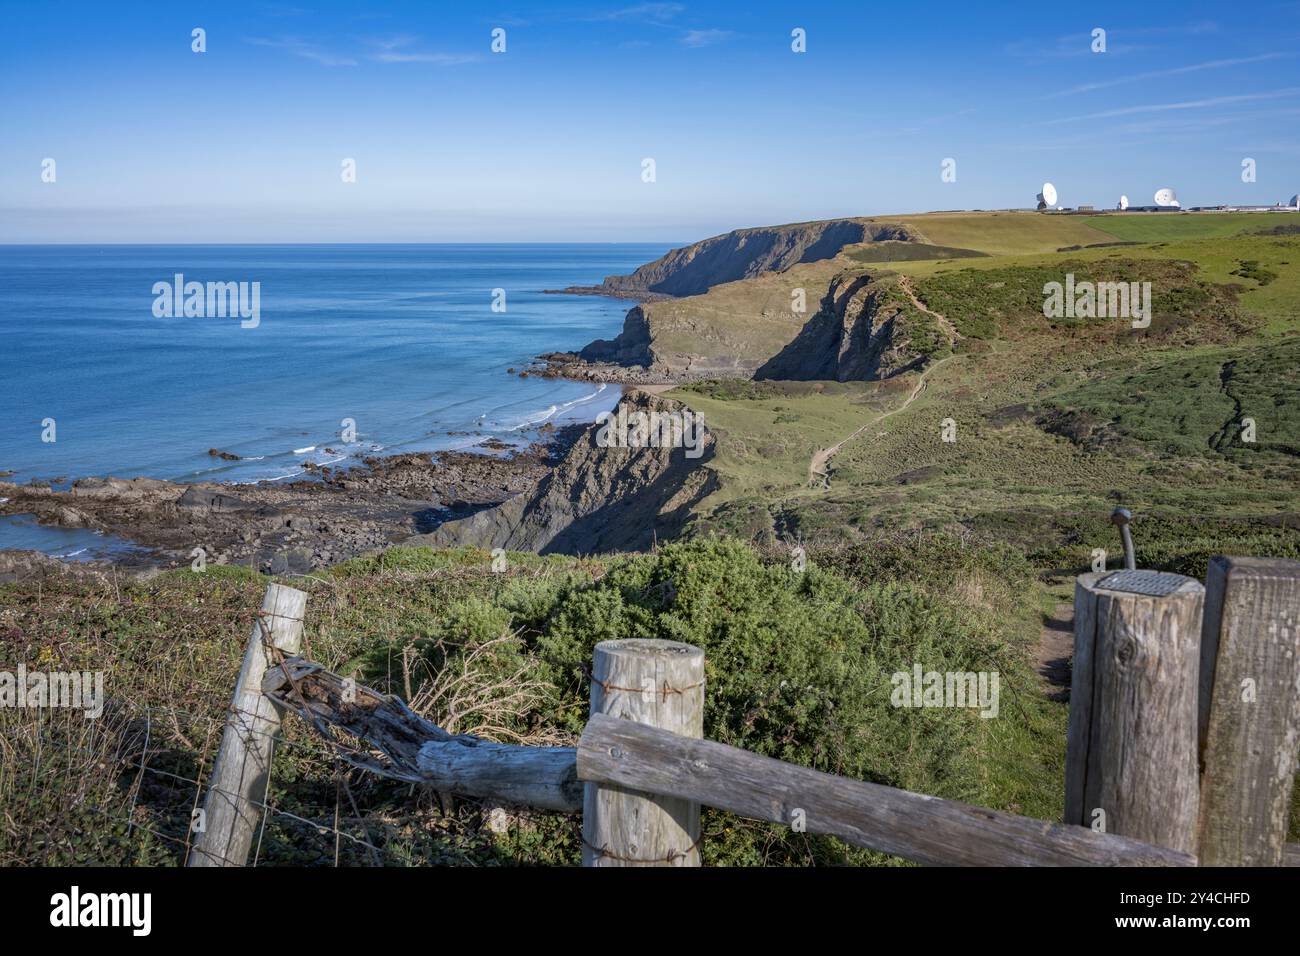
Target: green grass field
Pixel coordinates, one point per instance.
(1005, 233)
(1274, 302)
(1164, 226)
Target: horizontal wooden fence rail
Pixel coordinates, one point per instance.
(911, 825)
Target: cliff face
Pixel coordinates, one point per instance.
(866, 329)
(745, 253)
(631, 347)
(597, 500)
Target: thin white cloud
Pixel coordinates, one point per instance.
(1184, 105)
(1176, 71)
(391, 43)
(1070, 46)
(397, 49)
(441, 59)
(304, 49)
(644, 12)
(699, 38)
(1119, 41)
(394, 49)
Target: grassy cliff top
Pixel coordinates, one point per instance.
(1056, 421)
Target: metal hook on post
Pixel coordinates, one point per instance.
(1121, 517)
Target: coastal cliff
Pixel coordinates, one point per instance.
(744, 254)
(737, 306)
(855, 326)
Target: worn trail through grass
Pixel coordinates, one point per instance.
(819, 465)
(905, 283)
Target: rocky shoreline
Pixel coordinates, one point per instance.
(572, 366)
(638, 295)
(281, 528)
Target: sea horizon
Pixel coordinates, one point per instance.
(256, 245)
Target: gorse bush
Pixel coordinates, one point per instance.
(990, 303)
(798, 666)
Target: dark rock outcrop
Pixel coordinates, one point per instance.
(631, 348)
(597, 499)
(34, 566)
(208, 500)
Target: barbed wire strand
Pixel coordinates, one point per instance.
(257, 804)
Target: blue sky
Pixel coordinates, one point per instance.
(452, 142)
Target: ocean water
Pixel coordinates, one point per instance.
(401, 339)
(23, 533)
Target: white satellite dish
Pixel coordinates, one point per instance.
(1048, 196)
(1166, 197)
(1123, 202)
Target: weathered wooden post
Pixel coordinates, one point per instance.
(241, 772)
(1131, 757)
(1249, 709)
(660, 683)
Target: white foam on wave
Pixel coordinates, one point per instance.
(555, 410)
(303, 451)
(585, 398)
(546, 415)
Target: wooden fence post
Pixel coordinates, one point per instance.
(232, 808)
(660, 683)
(1133, 706)
(1249, 709)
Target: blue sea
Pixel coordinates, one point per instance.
(400, 339)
